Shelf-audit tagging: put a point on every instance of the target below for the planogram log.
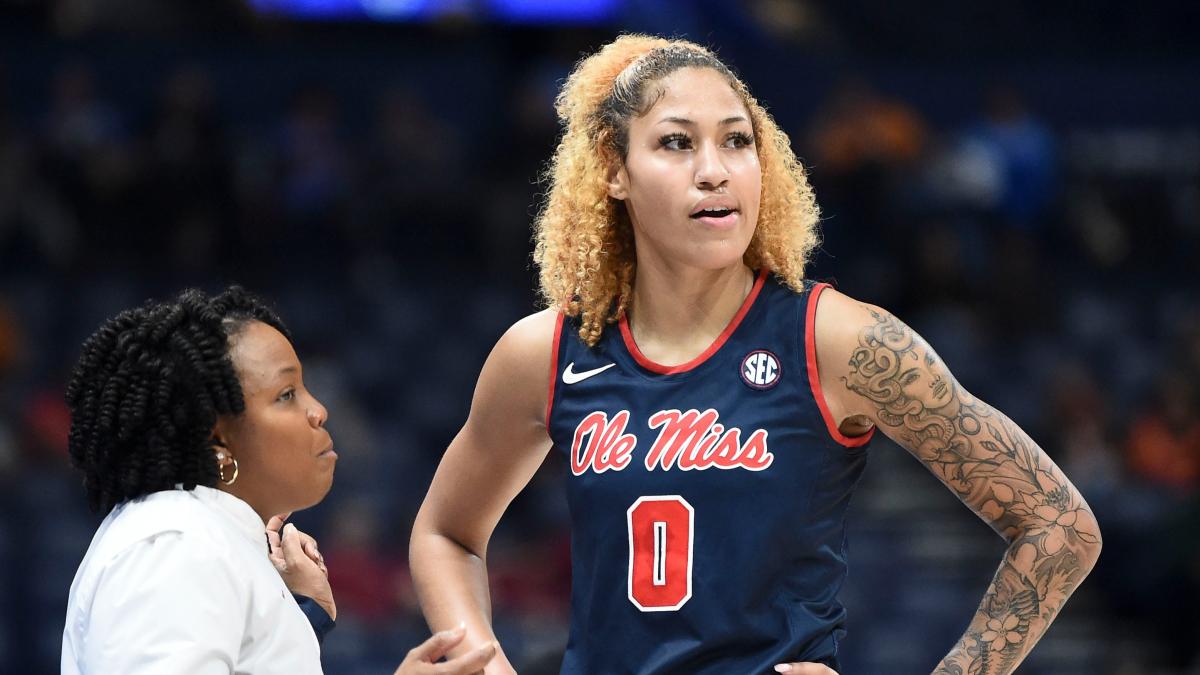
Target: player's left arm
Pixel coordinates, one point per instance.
(876, 370)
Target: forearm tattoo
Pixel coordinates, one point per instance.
(997, 470)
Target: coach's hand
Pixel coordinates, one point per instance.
(806, 668)
(422, 659)
(295, 556)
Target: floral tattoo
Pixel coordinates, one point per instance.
(997, 470)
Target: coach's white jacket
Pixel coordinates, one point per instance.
(179, 582)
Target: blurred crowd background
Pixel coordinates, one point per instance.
(1018, 181)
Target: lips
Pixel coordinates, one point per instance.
(719, 212)
(714, 207)
(328, 452)
(721, 219)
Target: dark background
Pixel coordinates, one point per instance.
(1019, 182)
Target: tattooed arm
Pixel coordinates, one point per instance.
(875, 370)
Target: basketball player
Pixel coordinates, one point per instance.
(714, 407)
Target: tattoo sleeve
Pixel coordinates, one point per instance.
(999, 472)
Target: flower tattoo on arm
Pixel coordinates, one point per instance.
(999, 472)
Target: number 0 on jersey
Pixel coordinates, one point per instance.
(660, 552)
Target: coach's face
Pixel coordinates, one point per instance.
(691, 180)
(285, 456)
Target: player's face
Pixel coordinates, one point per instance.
(285, 455)
(691, 180)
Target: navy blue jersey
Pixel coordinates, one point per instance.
(707, 499)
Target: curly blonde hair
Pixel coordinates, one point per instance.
(585, 248)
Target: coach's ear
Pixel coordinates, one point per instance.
(220, 432)
(223, 456)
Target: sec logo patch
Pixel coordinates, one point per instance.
(760, 369)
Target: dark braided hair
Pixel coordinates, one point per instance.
(147, 391)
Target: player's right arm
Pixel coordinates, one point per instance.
(493, 457)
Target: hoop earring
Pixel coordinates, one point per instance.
(221, 472)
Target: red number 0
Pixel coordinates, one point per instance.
(660, 553)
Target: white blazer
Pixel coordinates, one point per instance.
(179, 582)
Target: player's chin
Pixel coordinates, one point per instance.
(717, 253)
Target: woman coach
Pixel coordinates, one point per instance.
(192, 426)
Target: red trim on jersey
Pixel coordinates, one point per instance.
(712, 349)
(553, 367)
(814, 378)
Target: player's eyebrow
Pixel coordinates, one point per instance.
(691, 123)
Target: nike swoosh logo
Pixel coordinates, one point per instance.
(572, 377)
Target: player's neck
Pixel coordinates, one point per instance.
(678, 312)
